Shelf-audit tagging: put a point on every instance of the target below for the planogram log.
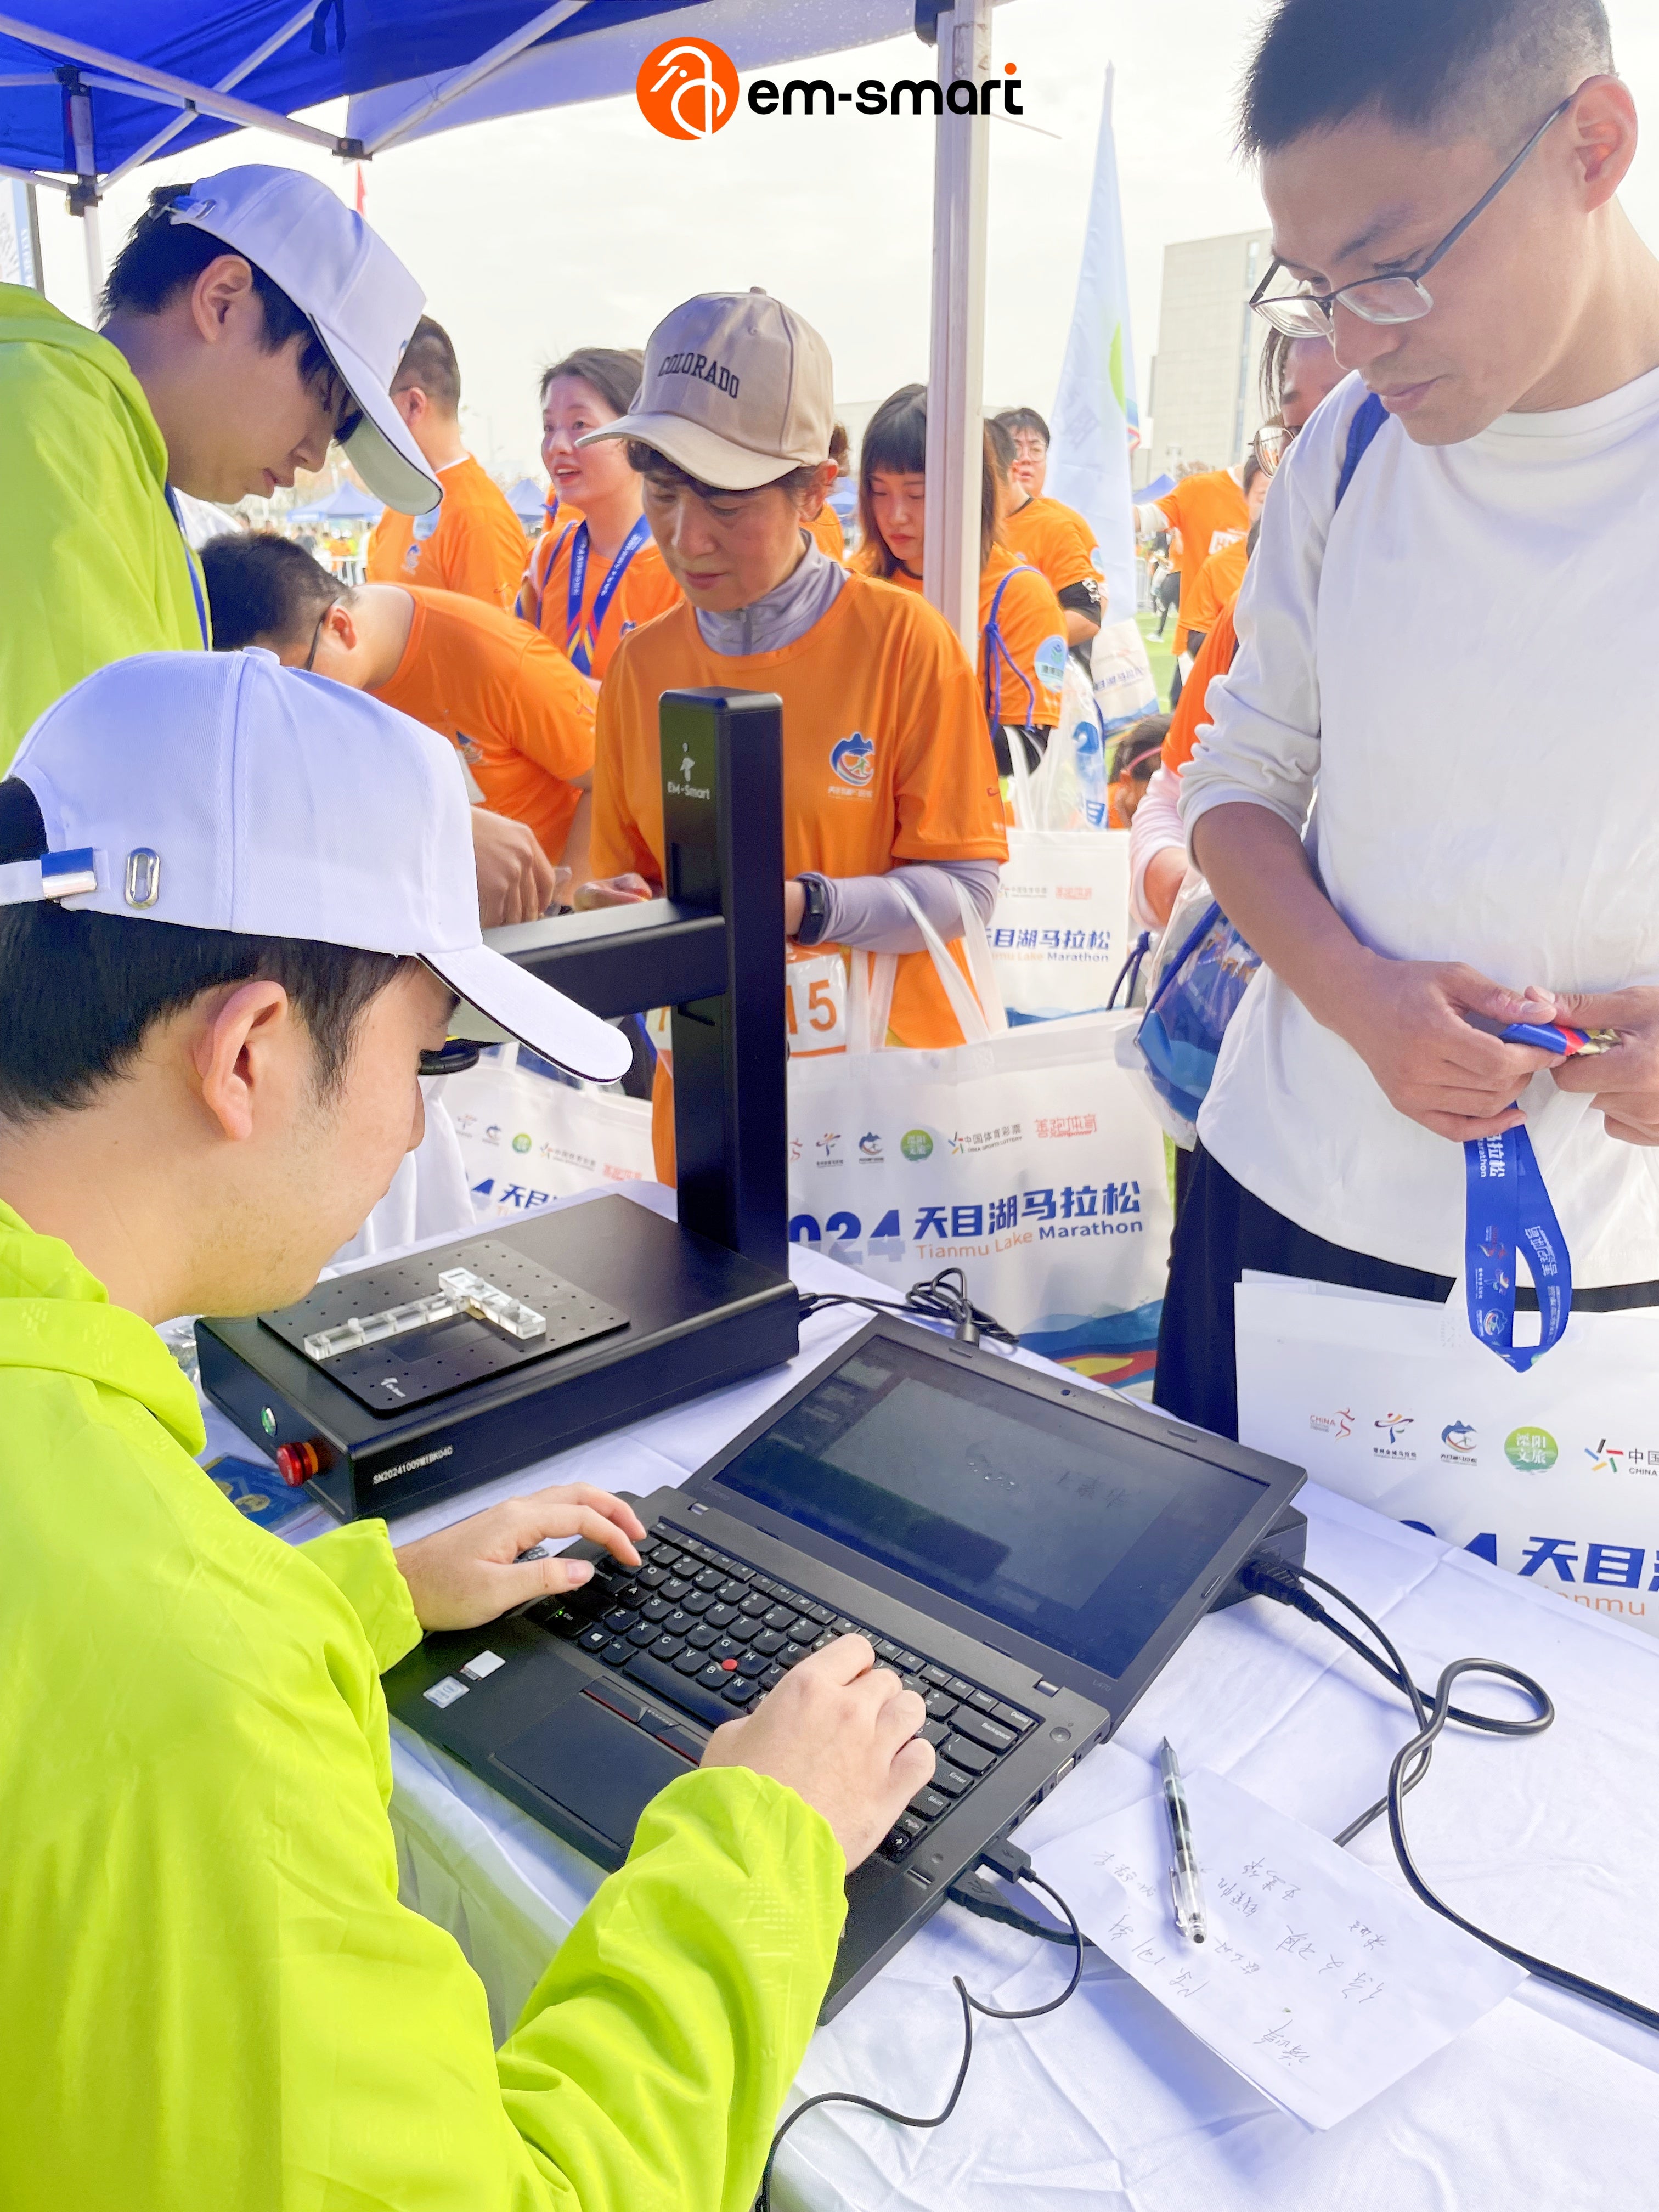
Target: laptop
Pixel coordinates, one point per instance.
(1026, 1552)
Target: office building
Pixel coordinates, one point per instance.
(1201, 400)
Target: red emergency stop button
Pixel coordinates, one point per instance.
(297, 1463)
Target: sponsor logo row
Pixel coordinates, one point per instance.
(1532, 1449)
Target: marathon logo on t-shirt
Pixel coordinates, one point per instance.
(704, 368)
(853, 760)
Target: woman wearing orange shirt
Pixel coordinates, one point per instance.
(596, 574)
(1021, 632)
(825, 529)
(889, 791)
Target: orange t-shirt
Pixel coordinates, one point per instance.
(885, 756)
(1057, 540)
(520, 714)
(473, 542)
(1216, 583)
(1189, 720)
(826, 533)
(1201, 508)
(645, 590)
(1023, 665)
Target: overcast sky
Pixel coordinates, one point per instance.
(582, 225)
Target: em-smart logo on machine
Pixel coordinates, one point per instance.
(853, 759)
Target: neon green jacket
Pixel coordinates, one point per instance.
(210, 1998)
(92, 564)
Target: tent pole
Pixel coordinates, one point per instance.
(951, 562)
(132, 75)
(245, 69)
(94, 245)
(462, 81)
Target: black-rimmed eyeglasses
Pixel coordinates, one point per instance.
(310, 662)
(1398, 297)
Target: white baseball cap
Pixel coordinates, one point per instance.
(349, 285)
(737, 390)
(223, 791)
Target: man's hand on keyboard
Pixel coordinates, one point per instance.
(471, 1572)
(842, 1733)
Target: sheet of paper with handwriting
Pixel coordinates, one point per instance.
(1319, 1981)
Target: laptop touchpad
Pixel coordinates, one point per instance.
(594, 1763)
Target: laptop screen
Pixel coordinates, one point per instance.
(1080, 1535)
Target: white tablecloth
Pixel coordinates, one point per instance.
(1109, 2104)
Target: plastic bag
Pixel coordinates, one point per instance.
(1123, 686)
(1067, 789)
(1203, 969)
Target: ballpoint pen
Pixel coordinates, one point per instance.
(1184, 1890)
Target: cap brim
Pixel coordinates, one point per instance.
(699, 452)
(380, 449)
(535, 1014)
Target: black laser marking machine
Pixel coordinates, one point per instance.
(401, 1383)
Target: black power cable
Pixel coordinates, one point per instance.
(1267, 1575)
(943, 1296)
(1008, 1860)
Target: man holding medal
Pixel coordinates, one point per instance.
(1442, 200)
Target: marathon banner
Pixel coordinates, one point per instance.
(1030, 1161)
(1552, 1473)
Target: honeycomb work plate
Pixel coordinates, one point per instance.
(429, 1362)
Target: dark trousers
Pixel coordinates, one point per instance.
(1220, 1231)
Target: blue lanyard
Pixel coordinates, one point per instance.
(581, 642)
(1508, 1218)
(190, 563)
(996, 652)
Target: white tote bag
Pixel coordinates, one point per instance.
(1553, 1474)
(1060, 930)
(1022, 1156)
(1123, 683)
(527, 1138)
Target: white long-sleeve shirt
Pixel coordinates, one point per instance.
(1155, 829)
(1439, 658)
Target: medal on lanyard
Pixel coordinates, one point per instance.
(1509, 1217)
(581, 639)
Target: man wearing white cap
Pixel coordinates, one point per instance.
(891, 804)
(249, 320)
(216, 990)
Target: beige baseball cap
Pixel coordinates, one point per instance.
(737, 390)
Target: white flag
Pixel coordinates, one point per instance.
(1095, 422)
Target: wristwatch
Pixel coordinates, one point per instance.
(817, 910)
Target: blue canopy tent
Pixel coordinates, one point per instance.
(1156, 488)
(528, 502)
(90, 90)
(347, 503)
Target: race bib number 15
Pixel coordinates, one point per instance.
(817, 1004)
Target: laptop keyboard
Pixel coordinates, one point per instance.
(709, 1634)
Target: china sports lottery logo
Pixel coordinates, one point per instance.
(687, 89)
